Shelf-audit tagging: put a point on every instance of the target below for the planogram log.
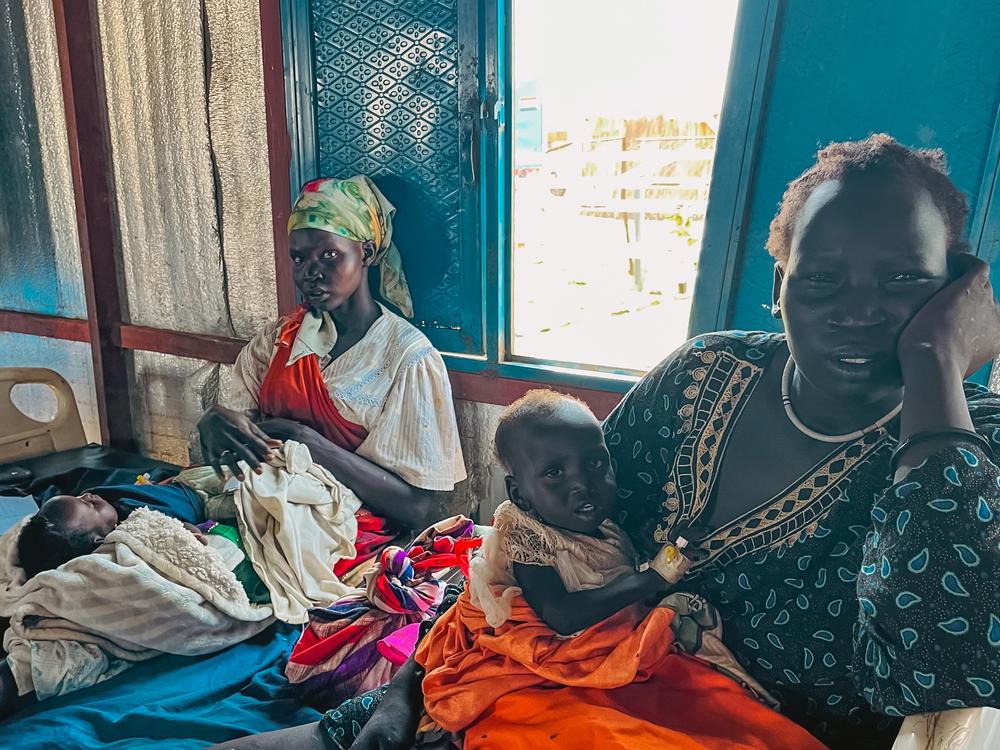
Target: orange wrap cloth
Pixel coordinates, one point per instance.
(618, 684)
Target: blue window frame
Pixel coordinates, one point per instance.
(984, 224)
(361, 77)
(743, 112)
(984, 234)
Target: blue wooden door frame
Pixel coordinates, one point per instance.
(743, 110)
(984, 233)
(984, 228)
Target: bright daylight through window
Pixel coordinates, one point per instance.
(616, 114)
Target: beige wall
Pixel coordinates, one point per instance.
(484, 489)
(190, 156)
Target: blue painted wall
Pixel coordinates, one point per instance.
(28, 279)
(926, 72)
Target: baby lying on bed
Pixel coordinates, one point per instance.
(70, 526)
(149, 588)
(555, 600)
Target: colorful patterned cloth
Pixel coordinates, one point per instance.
(374, 533)
(337, 656)
(356, 209)
(343, 723)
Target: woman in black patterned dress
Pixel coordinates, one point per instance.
(846, 471)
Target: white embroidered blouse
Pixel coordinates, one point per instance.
(393, 383)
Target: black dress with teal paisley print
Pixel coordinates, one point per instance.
(854, 600)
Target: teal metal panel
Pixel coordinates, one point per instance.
(927, 74)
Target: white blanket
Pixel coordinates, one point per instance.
(151, 588)
(296, 521)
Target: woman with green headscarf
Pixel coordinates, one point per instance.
(359, 385)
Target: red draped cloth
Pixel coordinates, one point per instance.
(297, 391)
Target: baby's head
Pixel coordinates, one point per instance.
(557, 464)
(65, 527)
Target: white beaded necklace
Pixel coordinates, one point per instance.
(786, 399)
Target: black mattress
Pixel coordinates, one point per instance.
(78, 470)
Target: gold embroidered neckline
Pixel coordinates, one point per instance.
(714, 400)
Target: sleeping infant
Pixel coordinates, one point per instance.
(69, 526)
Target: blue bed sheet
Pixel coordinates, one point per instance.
(172, 702)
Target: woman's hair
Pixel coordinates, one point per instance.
(43, 545)
(537, 405)
(877, 154)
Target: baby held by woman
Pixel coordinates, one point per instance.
(555, 534)
(558, 599)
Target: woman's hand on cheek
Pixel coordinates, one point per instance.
(959, 326)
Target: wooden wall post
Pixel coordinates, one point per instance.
(82, 69)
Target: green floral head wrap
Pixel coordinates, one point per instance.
(356, 209)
